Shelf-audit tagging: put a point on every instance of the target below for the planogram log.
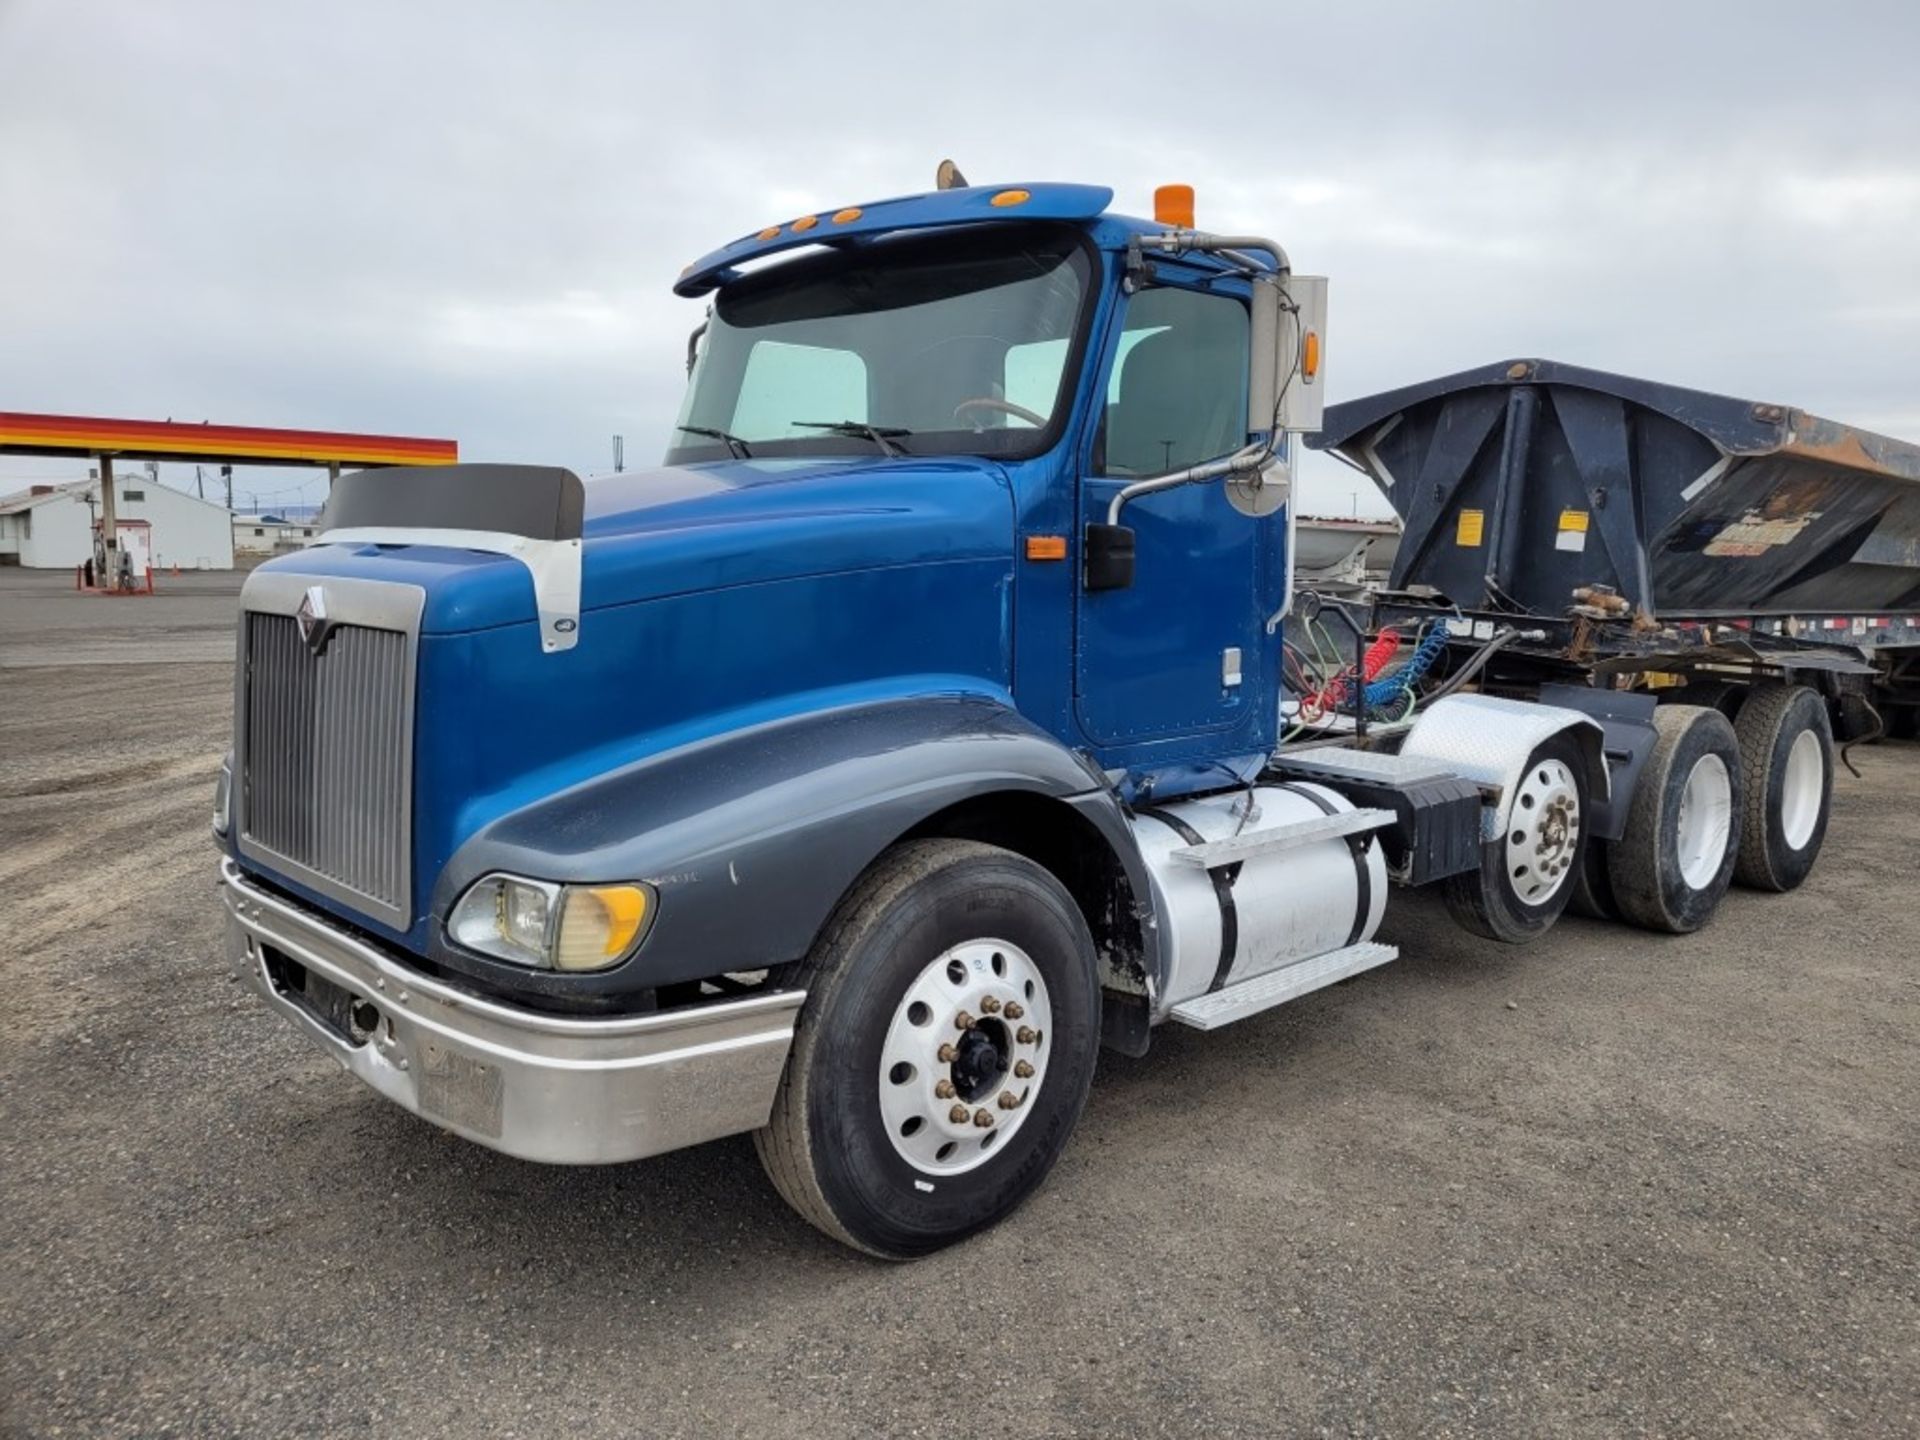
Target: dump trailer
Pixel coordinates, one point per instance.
(1644, 543)
(1654, 533)
(914, 731)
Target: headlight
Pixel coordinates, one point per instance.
(223, 796)
(553, 927)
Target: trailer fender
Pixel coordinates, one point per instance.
(751, 837)
(1487, 739)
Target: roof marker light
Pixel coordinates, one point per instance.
(1009, 197)
(769, 233)
(846, 216)
(1173, 205)
(805, 222)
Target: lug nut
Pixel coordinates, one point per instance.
(1026, 1035)
(1022, 1070)
(1015, 1010)
(943, 1090)
(958, 1115)
(989, 1005)
(963, 1021)
(1009, 1100)
(947, 1054)
(982, 1117)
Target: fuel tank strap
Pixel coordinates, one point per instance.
(1222, 878)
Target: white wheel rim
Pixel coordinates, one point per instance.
(969, 1040)
(1706, 821)
(1543, 832)
(1801, 790)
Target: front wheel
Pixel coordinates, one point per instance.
(944, 1051)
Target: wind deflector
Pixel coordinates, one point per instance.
(538, 502)
(1520, 482)
(530, 513)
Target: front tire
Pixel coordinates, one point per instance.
(866, 1139)
(1674, 861)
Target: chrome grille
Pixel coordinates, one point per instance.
(324, 755)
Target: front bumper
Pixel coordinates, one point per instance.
(559, 1089)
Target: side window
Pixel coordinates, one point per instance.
(785, 382)
(1179, 390)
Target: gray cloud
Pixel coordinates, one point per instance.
(464, 219)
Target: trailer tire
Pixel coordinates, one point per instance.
(832, 1147)
(1674, 861)
(1786, 752)
(1493, 901)
(1860, 720)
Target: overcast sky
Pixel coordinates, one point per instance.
(463, 219)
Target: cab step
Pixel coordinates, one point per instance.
(1311, 831)
(1276, 987)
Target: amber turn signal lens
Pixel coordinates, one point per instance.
(599, 925)
(1310, 355)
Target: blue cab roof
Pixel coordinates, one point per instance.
(976, 204)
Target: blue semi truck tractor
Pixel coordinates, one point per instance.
(915, 731)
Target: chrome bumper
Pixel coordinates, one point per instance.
(543, 1087)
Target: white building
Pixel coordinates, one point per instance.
(259, 536)
(50, 526)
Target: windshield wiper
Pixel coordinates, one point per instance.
(736, 447)
(881, 435)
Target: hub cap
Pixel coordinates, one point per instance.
(965, 1056)
(1801, 790)
(1543, 832)
(1706, 821)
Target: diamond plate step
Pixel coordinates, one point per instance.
(1276, 987)
(1283, 837)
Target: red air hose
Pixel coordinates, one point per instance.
(1384, 647)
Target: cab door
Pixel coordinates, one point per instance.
(1177, 653)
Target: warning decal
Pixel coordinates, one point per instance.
(1573, 531)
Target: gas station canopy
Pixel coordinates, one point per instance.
(80, 436)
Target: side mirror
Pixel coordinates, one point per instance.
(1287, 366)
(1109, 557)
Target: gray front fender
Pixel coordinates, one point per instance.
(752, 837)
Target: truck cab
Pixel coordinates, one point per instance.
(856, 775)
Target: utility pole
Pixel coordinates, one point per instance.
(226, 474)
(199, 482)
(619, 453)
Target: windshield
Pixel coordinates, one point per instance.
(932, 346)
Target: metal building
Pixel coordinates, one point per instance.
(51, 526)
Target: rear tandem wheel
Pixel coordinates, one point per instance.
(1674, 861)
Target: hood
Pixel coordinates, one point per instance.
(676, 530)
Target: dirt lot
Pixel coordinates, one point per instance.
(1610, 1185)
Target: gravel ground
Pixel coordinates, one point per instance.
(1613, 1184)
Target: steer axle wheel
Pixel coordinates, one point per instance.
(965, 1056)
(944, 1051)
